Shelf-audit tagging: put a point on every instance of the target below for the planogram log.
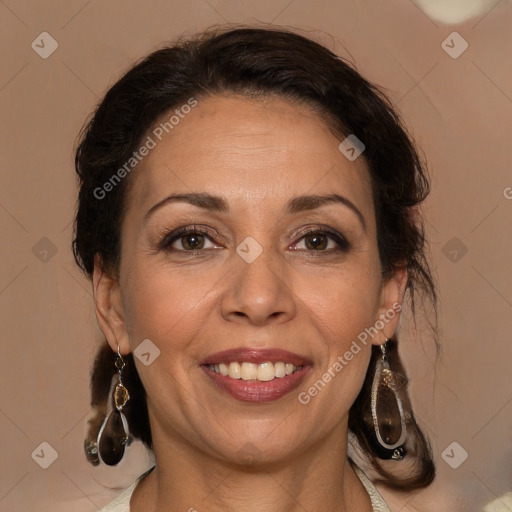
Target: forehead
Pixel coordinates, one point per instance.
(247, 150)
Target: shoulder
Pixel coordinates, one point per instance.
(378, 503)
(122, 502)
(502, 503)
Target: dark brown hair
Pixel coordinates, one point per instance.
(258, 62)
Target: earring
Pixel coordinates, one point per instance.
(114, 434)
(387, 410)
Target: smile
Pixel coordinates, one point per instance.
(263, 372)
(256, 375)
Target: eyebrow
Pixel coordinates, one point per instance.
(295, 205)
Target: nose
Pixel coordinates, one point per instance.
(259, 292)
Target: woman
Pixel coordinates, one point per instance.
(248, 217)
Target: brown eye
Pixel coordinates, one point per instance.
(323, 241)
(192, 241)
(316, 242)
(187, 240)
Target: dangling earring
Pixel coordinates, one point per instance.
(387, 410)
(114, 434)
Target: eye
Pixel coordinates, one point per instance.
(322, 240)
(195, 239)
(187, 240)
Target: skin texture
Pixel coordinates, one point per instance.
(257, 154)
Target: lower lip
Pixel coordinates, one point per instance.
(257, 391)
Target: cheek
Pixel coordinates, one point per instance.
(343, 309)
(345, 302)
(170, 304)
(165, 305)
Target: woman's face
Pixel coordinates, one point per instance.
(248, 276)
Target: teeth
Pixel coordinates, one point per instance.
(249, 371)
(280, 369)
(234, 370)
(266, 372)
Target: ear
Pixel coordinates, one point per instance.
(109, 308)
(391, 299)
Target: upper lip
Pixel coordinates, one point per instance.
(257, 356)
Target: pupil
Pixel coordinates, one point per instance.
(316, 242)
(195, 241)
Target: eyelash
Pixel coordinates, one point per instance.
(169, 238)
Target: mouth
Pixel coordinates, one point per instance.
(264, 372)
(256, 375)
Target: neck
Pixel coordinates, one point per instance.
(186, 479)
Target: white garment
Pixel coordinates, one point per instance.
(501, 504)
(122, 502)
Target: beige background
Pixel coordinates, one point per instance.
(459, 111)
